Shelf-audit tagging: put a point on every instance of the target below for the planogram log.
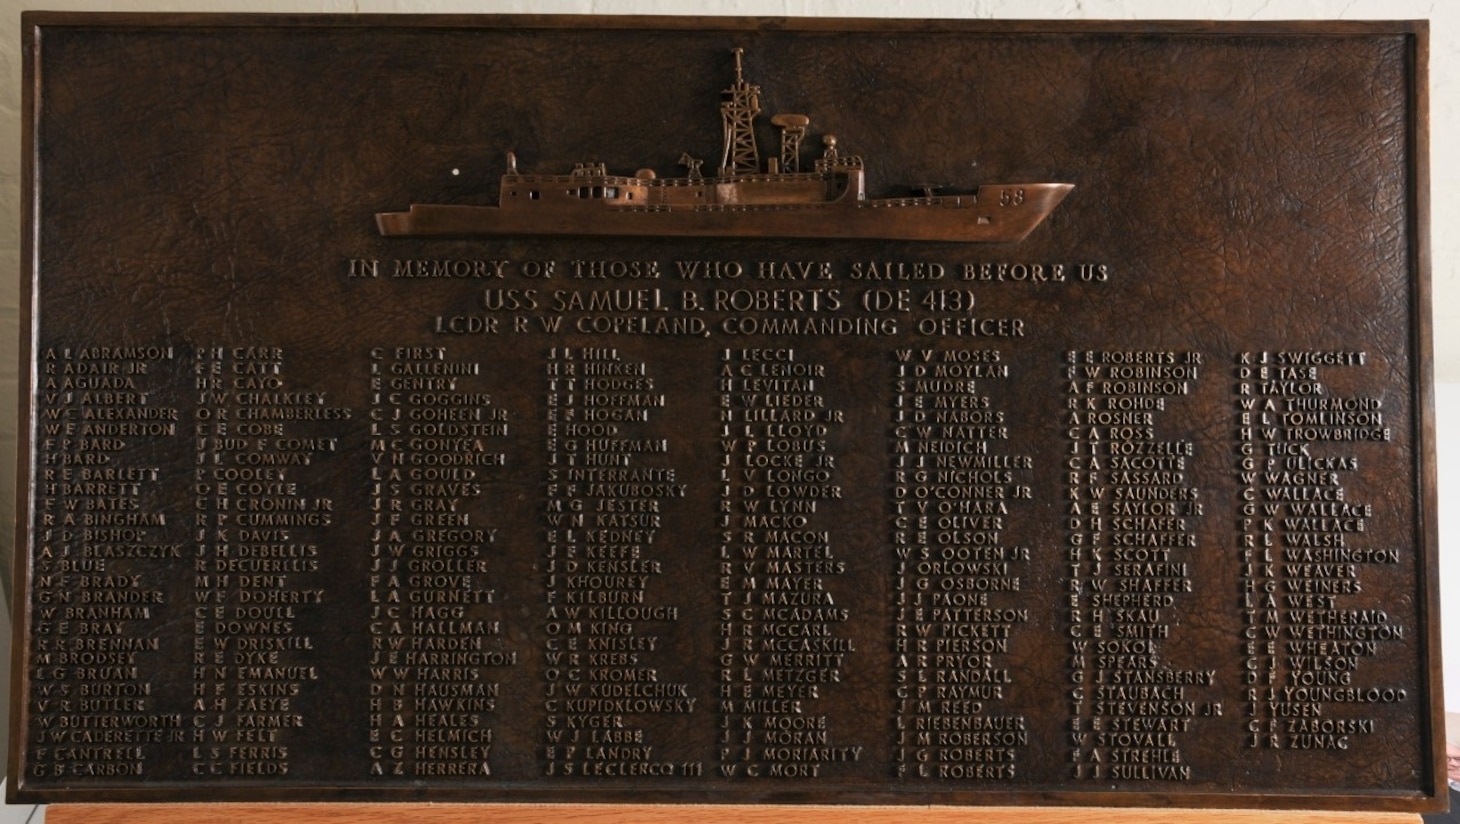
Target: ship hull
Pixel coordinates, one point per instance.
(1002, 213)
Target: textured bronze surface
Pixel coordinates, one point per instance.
(1131, 506)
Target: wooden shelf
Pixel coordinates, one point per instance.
(688, 814)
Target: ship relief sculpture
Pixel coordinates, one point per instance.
(745, 197)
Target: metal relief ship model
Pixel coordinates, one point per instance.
(744, 199)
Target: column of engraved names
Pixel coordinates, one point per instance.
(435, 632)
(1132, 535)
(781, 653)
(1304, 547)
(258, 566)
(957, 598)
(97, 589)
(609, 685)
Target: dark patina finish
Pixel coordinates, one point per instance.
(726, 410)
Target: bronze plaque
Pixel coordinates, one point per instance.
(727, 410)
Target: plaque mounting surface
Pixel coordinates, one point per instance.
(800, 479)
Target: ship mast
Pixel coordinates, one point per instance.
(739, 105)
(793, 129)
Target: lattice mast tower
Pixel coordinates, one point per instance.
(739, 105)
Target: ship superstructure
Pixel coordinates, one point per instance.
(743, 199)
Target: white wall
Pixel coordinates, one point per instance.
(1447, 410)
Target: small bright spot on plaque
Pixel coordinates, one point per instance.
(455, 172)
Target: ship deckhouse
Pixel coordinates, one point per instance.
(744, 198)
(741, 180)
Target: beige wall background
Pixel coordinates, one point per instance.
(1444, 16)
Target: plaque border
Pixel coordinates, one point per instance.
(1423, 483)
